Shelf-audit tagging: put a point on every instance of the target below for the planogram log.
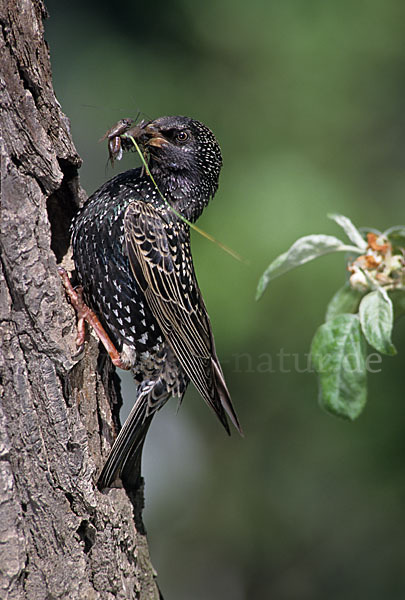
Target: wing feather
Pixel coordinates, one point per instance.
(161, 261)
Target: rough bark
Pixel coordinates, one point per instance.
(59, 537)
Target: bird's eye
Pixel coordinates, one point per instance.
(182, 136)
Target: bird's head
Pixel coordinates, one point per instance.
(184, 155)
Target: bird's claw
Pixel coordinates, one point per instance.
(79, 352)
(84, 313)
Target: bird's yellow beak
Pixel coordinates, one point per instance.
(156, 139)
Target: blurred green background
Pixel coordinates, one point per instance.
(307, 101)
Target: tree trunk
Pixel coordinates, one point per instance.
(59, 537)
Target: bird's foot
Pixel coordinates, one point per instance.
(84, 313)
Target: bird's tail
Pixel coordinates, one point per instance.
(124, 461)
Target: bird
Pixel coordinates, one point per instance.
(132, 256)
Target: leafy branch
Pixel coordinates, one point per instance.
(360, 312)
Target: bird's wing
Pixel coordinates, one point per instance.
(160, 258)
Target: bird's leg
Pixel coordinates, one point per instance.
(84, 313)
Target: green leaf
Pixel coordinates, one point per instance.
(351, 231)
(346, 300)
(396, 235)
(303, 250)
(338, 353)
(377, 319)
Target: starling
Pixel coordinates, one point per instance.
(132, 254)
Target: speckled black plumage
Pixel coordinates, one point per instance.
(132, 256)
